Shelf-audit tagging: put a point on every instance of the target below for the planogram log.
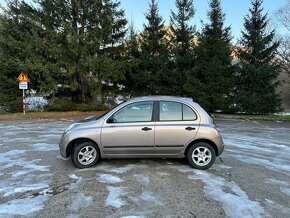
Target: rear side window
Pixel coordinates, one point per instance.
(188, 113)
(174, 111)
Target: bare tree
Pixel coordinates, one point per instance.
(283, 18)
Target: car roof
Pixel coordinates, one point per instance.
(160, 98)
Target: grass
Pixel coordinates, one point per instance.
(47, 115)
(78, 115)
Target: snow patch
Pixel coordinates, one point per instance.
(108, 178)
(235, 204)
(163, 174)
(148, 196)
(24, 188)
(80, 201)
(114, 197)
(120, 170)
(45, 147)
(23, 206)
(143, 179)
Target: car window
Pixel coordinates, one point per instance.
(188, 113)
(174, 111)
(170, 111)
(137, 112)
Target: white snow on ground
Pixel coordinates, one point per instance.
(276, 206)
(143, 179)
(236, 202)
(148, 196)
(76, 184)
(24, 188)
(261, 145)
(114, 197)
(25, 183)
(80, 201)
(284, 185)
(44, 147)
(163, 174)
(120, 170)
(108, 178)
(23, 206)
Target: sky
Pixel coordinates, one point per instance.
(234, 10)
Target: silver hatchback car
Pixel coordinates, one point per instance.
(145, 127)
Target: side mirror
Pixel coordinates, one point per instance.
(111, 120)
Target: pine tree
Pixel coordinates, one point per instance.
(154, 55)
(211, 80)
(182, 44)
(258, 68)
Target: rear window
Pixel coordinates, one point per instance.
(174, 111)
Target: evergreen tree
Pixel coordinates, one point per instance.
(16, 51)
(154, 55)
(87, 38)
(133, 61)
(182, 44)
(211, 80)
(258, 69)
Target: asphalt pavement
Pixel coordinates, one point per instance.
(250, 179)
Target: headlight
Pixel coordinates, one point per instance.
(71, 127)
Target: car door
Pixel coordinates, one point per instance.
(130, 130)
(176, 126)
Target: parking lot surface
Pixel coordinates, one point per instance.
(250, 179)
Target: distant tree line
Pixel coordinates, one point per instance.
(79, 50)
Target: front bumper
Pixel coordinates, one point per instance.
(63, 145)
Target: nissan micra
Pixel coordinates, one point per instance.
(145, 127)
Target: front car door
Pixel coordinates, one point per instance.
(130, 130)
(176, 126)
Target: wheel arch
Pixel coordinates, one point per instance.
(76, 141)
(211, 143)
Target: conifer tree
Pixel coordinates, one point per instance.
(133, 61)
(16, 52)
(154, 55)
(182, 44)
(258, 68)
(211, 80)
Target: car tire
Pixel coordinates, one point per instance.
(85, 155)
(201, 156)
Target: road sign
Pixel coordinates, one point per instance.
(23, 77)
(23, 85)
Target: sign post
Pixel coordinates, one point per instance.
(23, 84)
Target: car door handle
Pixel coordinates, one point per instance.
(146, 128)
(189, 128)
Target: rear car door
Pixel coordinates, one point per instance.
(176, 126)
(130, 130)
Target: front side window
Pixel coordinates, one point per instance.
(136, 112)
(174, 111)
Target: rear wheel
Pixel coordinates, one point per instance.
(201, 156)
(85, 154)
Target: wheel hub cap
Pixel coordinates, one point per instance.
(201, 156)
(87, 155)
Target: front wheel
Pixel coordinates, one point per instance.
(201, 156)
(85, 155)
